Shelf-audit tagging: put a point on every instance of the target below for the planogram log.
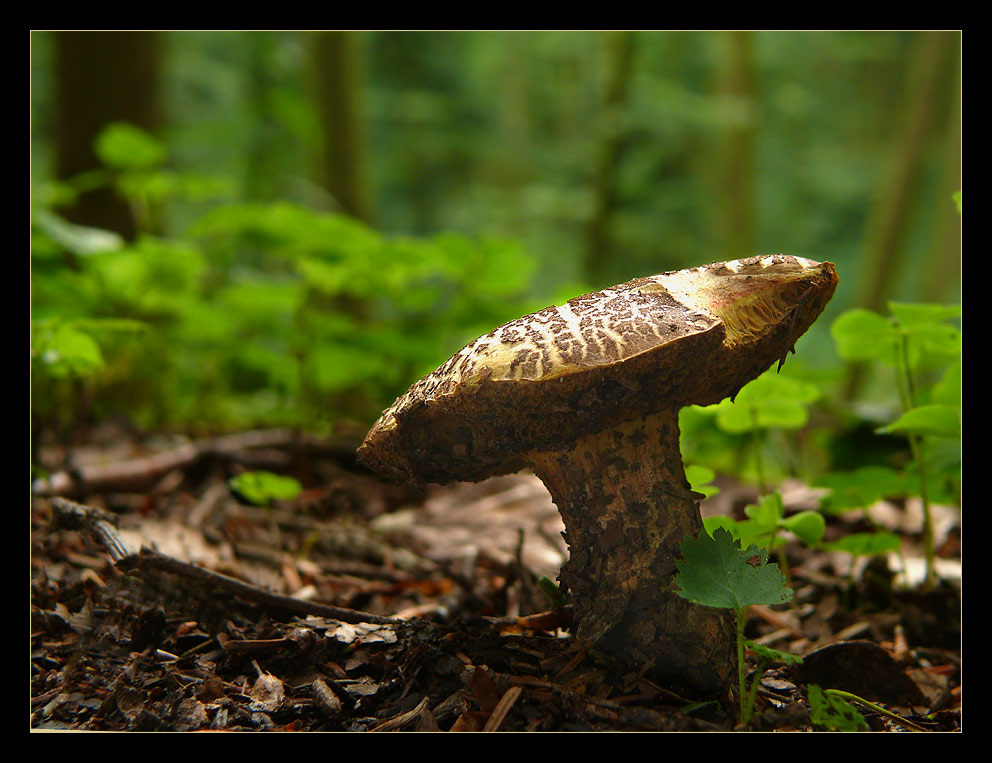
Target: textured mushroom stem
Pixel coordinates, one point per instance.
(627, 505)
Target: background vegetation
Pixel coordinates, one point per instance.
(234, 229)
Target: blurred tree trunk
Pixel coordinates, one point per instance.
(942, 279)
(260, 168)
(102, 77)
(733, 172)
(512, 169)
(613, 135)
(889, 217)
(340, 107)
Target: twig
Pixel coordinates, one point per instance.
(401, 720)
(499, 712)
(102, 525)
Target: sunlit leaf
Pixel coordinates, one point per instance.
(927, 420)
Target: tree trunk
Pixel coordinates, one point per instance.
(339, 78)
(888, 222)
(734, 166)
(613, 139)
(942, 279)
(102, 77)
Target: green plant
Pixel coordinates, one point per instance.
(716, 572)
(829, 709)
(260, 488)
(262, 313)
(771, 401)
(916, 340)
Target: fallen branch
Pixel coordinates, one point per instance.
(139, 472)
(102, 525)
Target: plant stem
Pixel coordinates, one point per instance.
(876, 708)
(758, 464)
(745, 710)
(908, 396)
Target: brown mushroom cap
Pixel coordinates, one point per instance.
(651, 344)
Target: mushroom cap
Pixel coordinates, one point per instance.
(684, 337)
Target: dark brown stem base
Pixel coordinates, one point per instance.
(626, 505)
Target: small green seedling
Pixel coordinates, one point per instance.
(766, 519)
(554, 594)
(830, 710)
(717, 572)
(261, 488)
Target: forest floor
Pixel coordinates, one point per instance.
(363, 606)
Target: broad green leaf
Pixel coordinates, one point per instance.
(767, 512)
(808, 526)
(957, 201)
(832, 712)
(126, 147)
(716, 572)
(927, 420)
(64, 351)
(947, 391)
(261, 488)
(918, 315)
(770, 401)
(714, 521)
(699, 478)
(859, 488)
(865, 544)
(861, 334)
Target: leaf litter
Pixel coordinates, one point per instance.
(464, 639)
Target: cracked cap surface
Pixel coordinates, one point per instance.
(664, 341)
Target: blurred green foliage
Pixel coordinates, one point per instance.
(246, 299)
(261, 313)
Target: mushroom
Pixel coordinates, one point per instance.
(587, 394)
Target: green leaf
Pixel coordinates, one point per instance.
(957, 201)
(551, 590)
(63, 351)
(832, 712)
(933, 420)
(866, 544)
(260, 488)
(808, 526)
(770, 401)
(861, 334)
(918, 315)
(126, 147)
(699, 478)
(715, 572)
(947, 391)
(768, 654)
(767, 512)
(859, 488)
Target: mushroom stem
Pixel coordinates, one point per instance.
(626, 504)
